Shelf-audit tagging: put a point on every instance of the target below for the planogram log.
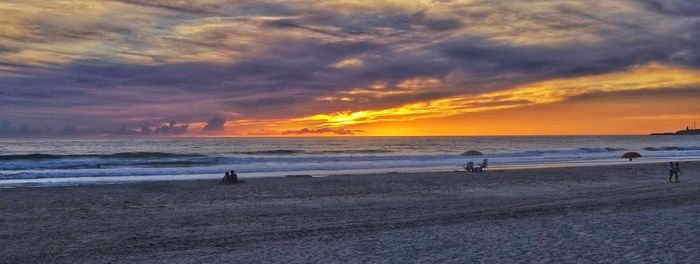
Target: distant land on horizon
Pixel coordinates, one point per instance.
(686, 131)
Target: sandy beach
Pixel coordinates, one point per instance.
(614, 214)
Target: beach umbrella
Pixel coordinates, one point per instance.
(472, 153)
(631, 155)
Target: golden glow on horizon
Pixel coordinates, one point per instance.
(651, 76)
(619, 113)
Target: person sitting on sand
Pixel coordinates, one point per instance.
(676, 170)
(234, 177)
(230, 178)
(671, 170)
(226, 178)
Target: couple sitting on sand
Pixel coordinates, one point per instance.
(230, 178)
(673, 169)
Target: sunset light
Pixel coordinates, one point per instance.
(349, 131)
(124, 68)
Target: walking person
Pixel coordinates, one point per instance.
(671, 170)
(676, 171)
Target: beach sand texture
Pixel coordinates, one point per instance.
(598, 214)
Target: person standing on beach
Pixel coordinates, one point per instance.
(671, 170)
(676, 170)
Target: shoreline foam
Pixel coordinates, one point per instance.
(135, 179)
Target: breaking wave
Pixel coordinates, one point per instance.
(121, 155)
(297, 151)
(671, 148)
(315, 157)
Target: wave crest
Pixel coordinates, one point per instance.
(671, 148)
(298, 151)
(121, 155)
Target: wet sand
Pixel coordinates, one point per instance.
(584, 214)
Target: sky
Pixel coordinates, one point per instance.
(141, 68)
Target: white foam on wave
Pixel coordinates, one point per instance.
(113, 162)
(74, 181)
(91, 180)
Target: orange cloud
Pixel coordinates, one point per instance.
(650, 76)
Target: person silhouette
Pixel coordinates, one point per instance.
(226, 178)
(671, 170)
(234, 176)
(676, 170)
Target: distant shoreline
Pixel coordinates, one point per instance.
(686, 132)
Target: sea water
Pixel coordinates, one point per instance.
(42, 162)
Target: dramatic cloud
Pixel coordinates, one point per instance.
(215, 124)
(146, 129)
(303, 131)
(126, 67)
(171, 129)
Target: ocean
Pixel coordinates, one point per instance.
(47, 162)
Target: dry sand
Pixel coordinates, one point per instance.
(586, 214)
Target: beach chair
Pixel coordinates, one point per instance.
(482, 166)
(469, 166)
